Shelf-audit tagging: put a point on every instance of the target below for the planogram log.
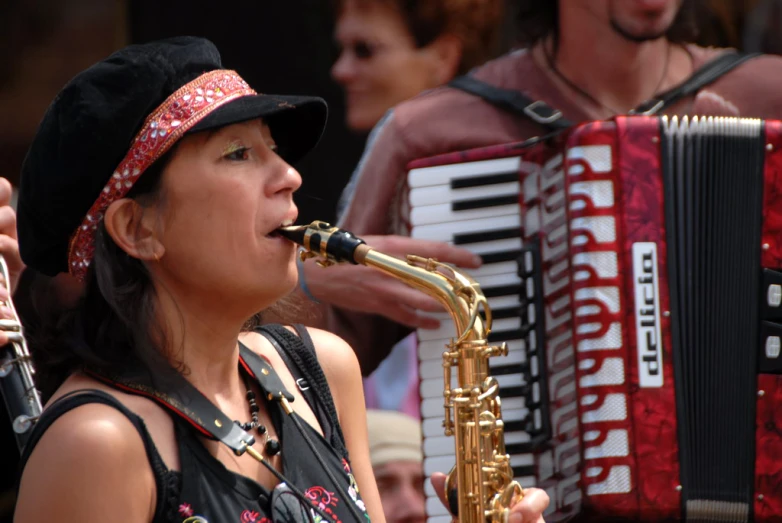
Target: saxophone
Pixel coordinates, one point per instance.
(480, 487)
(17, 384)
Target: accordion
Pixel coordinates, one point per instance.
(634, 268)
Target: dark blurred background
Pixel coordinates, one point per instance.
(282, 46)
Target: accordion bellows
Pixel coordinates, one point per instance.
(634, 267)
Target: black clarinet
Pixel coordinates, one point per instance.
(17, 384)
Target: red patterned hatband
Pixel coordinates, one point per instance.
(175, 116)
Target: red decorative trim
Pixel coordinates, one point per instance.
(186, 107)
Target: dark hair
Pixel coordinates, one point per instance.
(537, 19)
(478, 23)
(113, 323)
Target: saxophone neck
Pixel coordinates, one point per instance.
(454, 290)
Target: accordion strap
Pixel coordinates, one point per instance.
(553, 120)
(707, 74)
(514, 101)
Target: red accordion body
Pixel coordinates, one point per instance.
(643, 381)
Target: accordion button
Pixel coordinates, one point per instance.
(772, 347)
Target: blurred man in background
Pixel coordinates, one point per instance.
(397, 460)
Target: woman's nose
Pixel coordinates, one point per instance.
(344, 69)
(293, 178)
(288, 179)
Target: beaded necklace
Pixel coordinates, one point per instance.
(271, 446)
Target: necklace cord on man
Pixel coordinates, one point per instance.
(551, 63)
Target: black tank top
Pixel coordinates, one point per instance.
(205, 491)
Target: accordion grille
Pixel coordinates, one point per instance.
(713, 186)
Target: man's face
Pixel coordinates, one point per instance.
(401, 486)
(635, 20)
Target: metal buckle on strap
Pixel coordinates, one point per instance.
(648, 107)
(542, 113)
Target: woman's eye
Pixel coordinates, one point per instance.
(238, 155)
(363, 50)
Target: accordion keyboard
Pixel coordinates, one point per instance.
(475, 206)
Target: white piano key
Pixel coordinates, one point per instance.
(428, 488)
(511, 403)
(442, 174)
(446, 229)
(432, 408)
(433, 427)
(514, 357)
(492, 246)
(522, 460)
(439, 446)
(491, 269)
(504, 302)
(513, 408)
(509, 414)
(434, 349)
(431, 350)
(495, 303)
(439, 316)
(435, 507)
(433, 388)
(526, 481)
(438, 464)
(514, 437)
(500, 280)
(436, 214)
(434, 368)
(436, 194)
(447, 329)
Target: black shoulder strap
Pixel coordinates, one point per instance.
(552, 118)
(707, 74)
(298, 353)
(513, 101)
(69, 402)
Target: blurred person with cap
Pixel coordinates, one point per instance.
(158, 179)
(397, 460)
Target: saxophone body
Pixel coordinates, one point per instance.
(480, 487)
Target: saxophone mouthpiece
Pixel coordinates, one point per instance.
(294, 233)
(322, 239)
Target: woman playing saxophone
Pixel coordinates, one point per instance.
(159, 178)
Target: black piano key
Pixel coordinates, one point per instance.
(506, 312)
(486, 236)
(502, 290)
(480, 181)
(516, 391)
(500, 336)
(484, 203)
(499, 257)
(516, 425)
(523, 470)
(503, 370)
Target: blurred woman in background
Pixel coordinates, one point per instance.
(392, 50)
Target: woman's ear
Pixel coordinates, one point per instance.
(132, 227)
(446, 53)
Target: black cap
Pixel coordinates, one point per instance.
(91, 124)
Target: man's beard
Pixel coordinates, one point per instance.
(638, 39)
